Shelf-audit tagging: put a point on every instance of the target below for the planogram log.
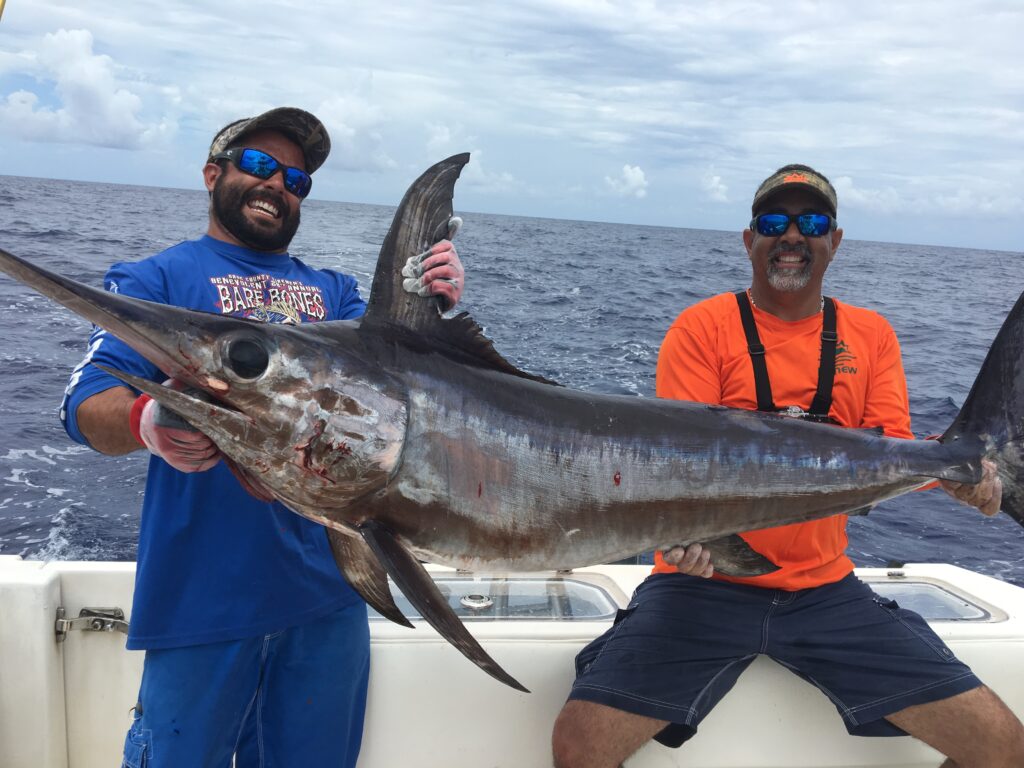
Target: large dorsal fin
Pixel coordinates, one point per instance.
(420, 221)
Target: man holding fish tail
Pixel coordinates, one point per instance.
(689, 632)
(257, 649)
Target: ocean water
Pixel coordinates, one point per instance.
(584, 303)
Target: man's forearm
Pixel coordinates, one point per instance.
(103, 420)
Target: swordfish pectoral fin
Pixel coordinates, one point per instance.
(732, 556)
(414, 581)
(363, 572)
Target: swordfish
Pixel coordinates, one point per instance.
(411, 439)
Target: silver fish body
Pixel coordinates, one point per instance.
(504, 474)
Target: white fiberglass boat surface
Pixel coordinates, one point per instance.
(67, 683)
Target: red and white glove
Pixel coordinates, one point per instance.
(170, 437)
(181, 445)
(437, 272)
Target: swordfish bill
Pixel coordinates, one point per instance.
(411, 439)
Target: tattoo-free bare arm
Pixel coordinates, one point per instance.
(103, 421)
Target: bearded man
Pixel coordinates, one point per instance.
(256, 647)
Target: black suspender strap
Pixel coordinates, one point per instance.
(756, 348)
(827, 368)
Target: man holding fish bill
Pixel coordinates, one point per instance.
(689, 632)
(256, 647)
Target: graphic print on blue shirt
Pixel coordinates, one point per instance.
(269, 299)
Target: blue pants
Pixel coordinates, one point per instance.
(293, 698)
(683, 642)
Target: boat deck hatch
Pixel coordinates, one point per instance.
(537, 599)
(932, 601)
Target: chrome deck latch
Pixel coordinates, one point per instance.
(91, 620)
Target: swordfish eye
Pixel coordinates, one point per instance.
(246, 356)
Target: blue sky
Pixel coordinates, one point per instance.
(665, 113)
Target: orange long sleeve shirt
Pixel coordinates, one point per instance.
(704, 358)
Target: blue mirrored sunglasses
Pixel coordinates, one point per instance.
(809, 224)
(261, 165)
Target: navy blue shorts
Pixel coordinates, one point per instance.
(683, 642)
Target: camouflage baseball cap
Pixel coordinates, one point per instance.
(297, 124)
(796, 176)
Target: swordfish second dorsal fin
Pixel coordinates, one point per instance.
(420, 221)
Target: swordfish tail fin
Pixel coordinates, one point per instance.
(994, 410)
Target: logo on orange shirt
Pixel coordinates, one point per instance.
(845, 358)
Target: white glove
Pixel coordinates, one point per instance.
(438, 271)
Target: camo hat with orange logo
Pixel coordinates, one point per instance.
(796, 176)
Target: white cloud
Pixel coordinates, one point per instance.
(93, 106)
(957, 197)
(500, 183)
(715, 188)
(439, 140)
(875, 199)
(709, 96)
(357, 141)
(631, 183)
